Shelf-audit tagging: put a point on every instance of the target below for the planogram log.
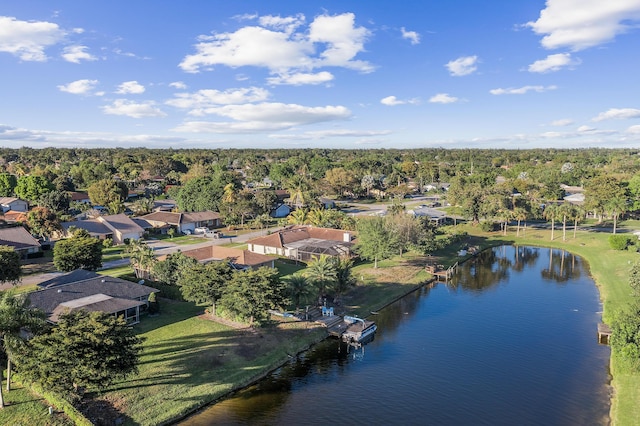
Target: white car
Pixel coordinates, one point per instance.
(201, 230)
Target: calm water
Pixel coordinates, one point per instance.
(512, 341)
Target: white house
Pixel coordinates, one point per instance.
(13, 203)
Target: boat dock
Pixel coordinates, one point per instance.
(346, 328)
(604, 333)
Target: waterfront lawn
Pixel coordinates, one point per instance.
(25, 408)
(189, 360)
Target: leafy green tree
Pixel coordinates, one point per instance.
(8, 183)
(205, 283)
(341, 180)
(469, 195)
(600, 192)
(81, 251)
(10, 271)
(16, 320)
(83, 350)
(250, 294)
(107, 191)
(56, 201)
(168, 271)
(634, 278)
(265, 200)
(375, 240)
(43, 222)
(31, 188)
(625, 335)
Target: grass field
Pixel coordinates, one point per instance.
(24, 408)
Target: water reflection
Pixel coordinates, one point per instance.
(494, 346)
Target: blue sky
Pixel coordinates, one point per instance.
(331, 74)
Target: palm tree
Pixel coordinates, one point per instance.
(297, 217)
(316, 217)
(551, 213)
(299, 288)
(519, 214)
(344, 279)
(577, 214)
(564, 211)
(617, 206)
(141, 257)
(15, 317)
(322, 272)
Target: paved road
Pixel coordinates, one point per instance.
(160, 247)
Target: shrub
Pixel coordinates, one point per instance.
(107, 243)
(619, 242)
(488, 226)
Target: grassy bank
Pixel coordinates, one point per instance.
(189, 361)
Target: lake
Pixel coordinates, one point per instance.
(512, 339)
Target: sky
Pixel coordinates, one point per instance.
(320, 74)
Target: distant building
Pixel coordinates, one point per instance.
(240, 259)
(118, 227)
(13, 203)
(20, 239)
(185, 223)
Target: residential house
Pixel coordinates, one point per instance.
(304, 243)
(240, 259)
(87, 290)
(118, 227)
(13, 203)
(79, 197)
(282, 210)
(437, 216)
(164, 205)
(20, 239)
(14, 217)
(185, 223)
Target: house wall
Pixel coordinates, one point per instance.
(18, 206)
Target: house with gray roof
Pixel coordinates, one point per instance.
(20, 239)
(13, 203)
(93, 292)
(118, 227)
(185, 223)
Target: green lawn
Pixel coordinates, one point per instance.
(189, 361)
(25, 408)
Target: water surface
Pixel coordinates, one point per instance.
(511, 340)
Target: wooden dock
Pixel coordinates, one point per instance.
(604, 333)
(440, 273)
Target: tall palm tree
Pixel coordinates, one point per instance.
(616, 206)
(299, 288)
(577, 214)
(551, 213)
(519, 214)
(15, 317)
(141, 257)
(297, 217)
(564, 212)
(344, 279)
(322, 272)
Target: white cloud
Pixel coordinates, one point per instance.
(79, 87)
(199, 101)
(251, 118)
(178, 85)
(580, 24)
(300, 79)
(553, 63)
(284, 48)
(522, 90)
(635, 130)
(130, 87)
(562, 122)
(412, 36)
(585, 128)
(133, 109)
(464, 65)
(393, 101)
(618, 114)
(324, 134)
(28, 39)
(76, 54)
(443, 98)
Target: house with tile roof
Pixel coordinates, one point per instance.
(304, 243)
(20, 239)
(118, 227)
(239, 259)
(88, 290)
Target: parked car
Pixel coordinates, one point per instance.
(201, 230)
(214, 234)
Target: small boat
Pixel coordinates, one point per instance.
(357, 329)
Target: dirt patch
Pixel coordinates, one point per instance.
(105, 411)
(225, 321)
